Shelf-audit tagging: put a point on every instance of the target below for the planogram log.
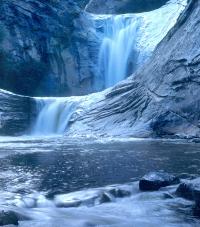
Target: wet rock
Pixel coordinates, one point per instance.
(69, 204)
(8, 218)
(16, 113)
(190, 190)
(185, 190)
(168, 195)
(105, 198)
(120, 192)
(196, 210)
(195, 140)
(93, 196)
(155, 180)
(76, 199)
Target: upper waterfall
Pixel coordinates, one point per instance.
(117, 46)
(128, 40)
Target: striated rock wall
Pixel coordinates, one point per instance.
(16, 113)
(163, 98)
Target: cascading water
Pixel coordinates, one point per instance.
(126, 43)
(54, 116)
(117, 47)
(128, 40)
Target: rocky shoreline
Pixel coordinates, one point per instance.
(188, 189)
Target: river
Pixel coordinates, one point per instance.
(56, 181)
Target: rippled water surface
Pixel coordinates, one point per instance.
(34, 171)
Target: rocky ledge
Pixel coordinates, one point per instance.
(16, 113)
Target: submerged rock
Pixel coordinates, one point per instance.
(156, 180)
(8, 218)
(120, 192)
(191, 190)
(196, 210)
(93, 196)
(105, 198)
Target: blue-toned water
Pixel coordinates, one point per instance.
(127, 41)
(57, 181)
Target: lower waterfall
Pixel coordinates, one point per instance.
(54, 115)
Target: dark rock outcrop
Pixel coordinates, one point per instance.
(8, 218)
(16, 113)
(121, 7)
(156, 180)
(44, 47)
(162, 99)
(191, 190)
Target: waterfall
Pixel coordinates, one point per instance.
(54, 115)
(117, 47)
(128, 40)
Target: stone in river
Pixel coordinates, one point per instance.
(155, 180)
(8, 218)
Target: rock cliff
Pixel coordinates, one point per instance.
(162, 99)
(44, 47)
(16, 113)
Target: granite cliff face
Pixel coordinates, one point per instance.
(44, 47)
(16, 113)
(159, 100)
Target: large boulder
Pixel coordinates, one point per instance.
(191, 190)
(155, 180)
(8, 218)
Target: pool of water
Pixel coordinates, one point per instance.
(37, 172)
